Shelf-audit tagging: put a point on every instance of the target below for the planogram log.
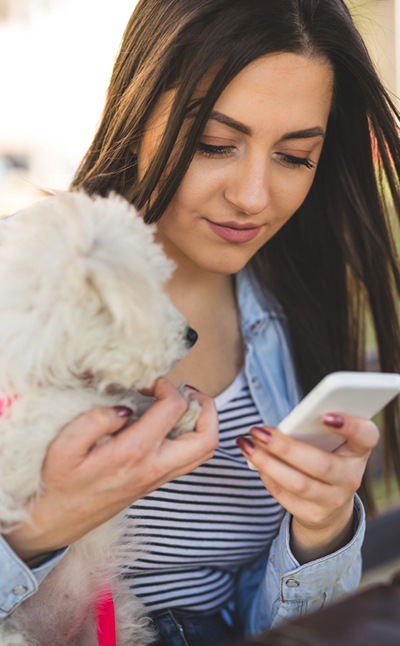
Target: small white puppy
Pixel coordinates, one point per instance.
(84, 322)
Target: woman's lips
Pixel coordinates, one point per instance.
(234, 233)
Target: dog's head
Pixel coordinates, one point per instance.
(82, 297)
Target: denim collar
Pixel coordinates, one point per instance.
(256, 308)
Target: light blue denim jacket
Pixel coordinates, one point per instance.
(275, 588)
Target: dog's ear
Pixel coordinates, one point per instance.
(81, 291)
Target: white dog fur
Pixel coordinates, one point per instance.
(84, 322)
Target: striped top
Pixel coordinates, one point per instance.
(199, 529)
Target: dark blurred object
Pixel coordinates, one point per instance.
(382, 540)
(370, 618)
(20, 161)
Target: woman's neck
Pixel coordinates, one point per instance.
(195, 290)
(207, 300)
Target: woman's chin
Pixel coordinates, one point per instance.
(227, 266)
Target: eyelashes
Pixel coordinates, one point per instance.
(214, 151)
(297, 161)
(210, 150)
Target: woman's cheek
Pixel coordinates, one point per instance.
(204, 179)
(290, 193)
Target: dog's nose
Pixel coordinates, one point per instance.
(191, 336)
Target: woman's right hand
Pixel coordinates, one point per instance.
(86, 484)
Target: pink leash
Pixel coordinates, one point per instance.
(6, 403)
(105, 618)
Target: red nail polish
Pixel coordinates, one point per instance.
(260, 433)
(245, 445)
(331, 419)
(123, 411)
(192, 388)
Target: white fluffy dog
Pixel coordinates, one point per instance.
(84, 322)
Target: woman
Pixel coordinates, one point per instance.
(257, 135)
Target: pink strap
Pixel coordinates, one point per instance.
(105, 618)
(6, 403)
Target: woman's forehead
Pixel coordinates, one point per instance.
(272, 96)
(292, 91)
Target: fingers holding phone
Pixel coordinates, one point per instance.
(361, 434)
(315, 486)
(314, 462)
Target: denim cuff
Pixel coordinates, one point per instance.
(290, 590)
(18, 581)
(305, 582)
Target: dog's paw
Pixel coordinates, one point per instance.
(189, 419)
(10, 638)
(13, 511)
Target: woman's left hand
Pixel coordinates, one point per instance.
(315, 486)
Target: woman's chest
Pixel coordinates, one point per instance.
(220, 513)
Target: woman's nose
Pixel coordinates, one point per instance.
(247, 188)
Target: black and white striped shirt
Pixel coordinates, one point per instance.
(199, 529)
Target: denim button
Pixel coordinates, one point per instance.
(255, 382)
(255, 326)
(292, 583)
(19, 590)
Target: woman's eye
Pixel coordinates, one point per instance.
(214, 151)
(296, 162)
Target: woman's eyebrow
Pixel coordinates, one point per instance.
(231, 123)
(305, 134)
(237, 125)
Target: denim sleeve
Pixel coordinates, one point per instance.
(17, 580)
(283, 589)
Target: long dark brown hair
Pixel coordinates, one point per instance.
(335, 260)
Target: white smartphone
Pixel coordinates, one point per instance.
(362, 394)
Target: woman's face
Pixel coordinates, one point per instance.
(255, 164)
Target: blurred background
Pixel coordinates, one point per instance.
(57, 57)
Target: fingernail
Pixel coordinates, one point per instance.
(192, 388)
(123, 411)
(245, 445)
(260, 433)
(331, 419)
